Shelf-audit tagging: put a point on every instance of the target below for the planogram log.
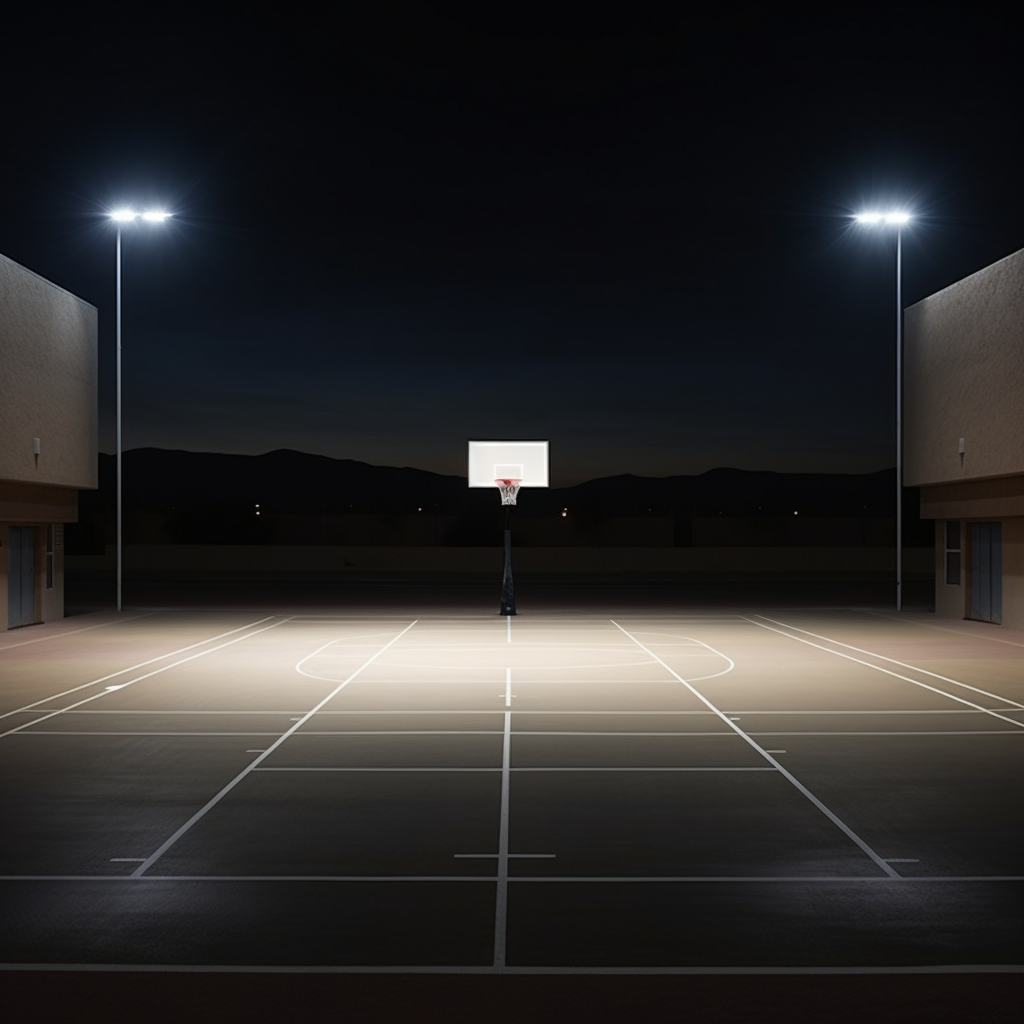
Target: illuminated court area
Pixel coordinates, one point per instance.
(398, 791)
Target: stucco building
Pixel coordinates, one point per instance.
(964, 438)
(48, 437)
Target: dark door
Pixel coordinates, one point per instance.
(987, 572)
(21, 576)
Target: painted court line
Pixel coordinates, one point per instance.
(195, 713)
(210, 804)
(888, 879)
(28, 731)
(62, 633)
(566, 971)
(374, 768)
(894, 732)
(650, 770)
(538, 768)
(893, 661)
(904, 665)
(136, 733)
(896, 675)
(132, 668)
(492, 856)
(139, 679)
(501, 895)
(834, 818)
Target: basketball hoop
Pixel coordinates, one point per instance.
(509, 489)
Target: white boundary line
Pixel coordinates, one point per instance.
(893, 661)
(59, 633)
(539, 970)
(889, 672)
(501, 895)
(131, 668)
(460, 969)
(835, 819)
(530, 879)
(522, 732)
(210, 804)
(138, 679)
(964, 630)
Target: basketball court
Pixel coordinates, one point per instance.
(566, 791)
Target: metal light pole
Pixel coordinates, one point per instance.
(124, 216)
(896, 218)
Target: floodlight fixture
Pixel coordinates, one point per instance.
(124, 215)
(889, 217)
(896, 219)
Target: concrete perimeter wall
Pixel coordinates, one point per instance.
(357, 563)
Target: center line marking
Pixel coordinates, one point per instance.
(508, 687)
(501, 894)
(491, 856)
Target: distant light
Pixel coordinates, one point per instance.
(565, 512)
(124, 215)
(869, 218)
(156, 216)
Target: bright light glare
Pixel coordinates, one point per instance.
(890, 217)
(153, 216)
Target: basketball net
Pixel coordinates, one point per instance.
(509, 489)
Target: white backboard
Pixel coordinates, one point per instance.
(508, 460)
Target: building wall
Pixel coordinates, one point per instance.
(964, 378)
(964, 424)
(48, 383)
(1013, 573)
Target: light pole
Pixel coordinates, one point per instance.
(120, 217)
(896, 219)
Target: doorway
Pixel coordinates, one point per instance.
(21, 576)
(987, 572)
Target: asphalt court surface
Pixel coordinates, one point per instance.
(382, 790)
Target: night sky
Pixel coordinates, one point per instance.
(411, 224)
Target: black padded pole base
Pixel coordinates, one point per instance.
(508, 589)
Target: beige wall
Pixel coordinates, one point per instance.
(1013, 573)
(976, 499)
(964, 378)
(48, 371)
